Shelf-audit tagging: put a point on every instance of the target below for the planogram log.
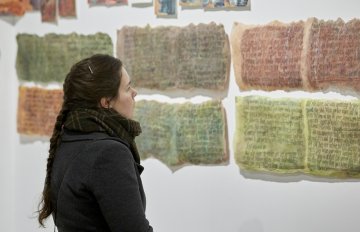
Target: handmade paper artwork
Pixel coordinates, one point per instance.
(287, 136)
(333, 55)
(268, 57)
(48, 10)
(226, 4)
(195, 57)
(312, 55)
(14, 7)
(67, 8)
(269, 134)
(37, 111)
(180, 134)
(333, 138)
(48, 58)
(176, 134)
(165, 8)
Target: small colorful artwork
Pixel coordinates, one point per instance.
(226, 4)
(14, 7)
(48, 10)
(67, 8)
(165, 8)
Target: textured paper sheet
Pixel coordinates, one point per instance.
(48, 11)
(318, 137)
(312, 55)
(179, 134)
(173, 58)
(49, 58)
(268, 57)
(334, 55)
(334, 138)
(37, 111)
(67, 8)
(269, 134)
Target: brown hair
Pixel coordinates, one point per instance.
(88, 81)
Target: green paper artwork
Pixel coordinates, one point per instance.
(179, 134)
(318, 137)
(49, 58)
(334, 138)
(172, 58)
(269, 134)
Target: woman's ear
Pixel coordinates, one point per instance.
(105, 103)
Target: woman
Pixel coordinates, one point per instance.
(93, 170)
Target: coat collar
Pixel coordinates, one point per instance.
(72, 136)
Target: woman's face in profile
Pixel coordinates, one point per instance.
(124, 103)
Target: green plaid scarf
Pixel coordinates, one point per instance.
(105, 120)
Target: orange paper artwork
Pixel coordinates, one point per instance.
(313, 55)
(33, 118)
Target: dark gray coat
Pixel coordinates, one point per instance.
(96, 185)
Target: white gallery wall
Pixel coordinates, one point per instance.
(193, 198)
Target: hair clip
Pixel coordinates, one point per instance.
(90, 69)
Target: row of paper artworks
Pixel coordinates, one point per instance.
(196, 59)
(277, 135)
(314, 55)
(67, 8)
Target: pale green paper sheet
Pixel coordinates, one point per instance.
(318, 137)
(334, 138)
(179, 134)
(269, 134)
